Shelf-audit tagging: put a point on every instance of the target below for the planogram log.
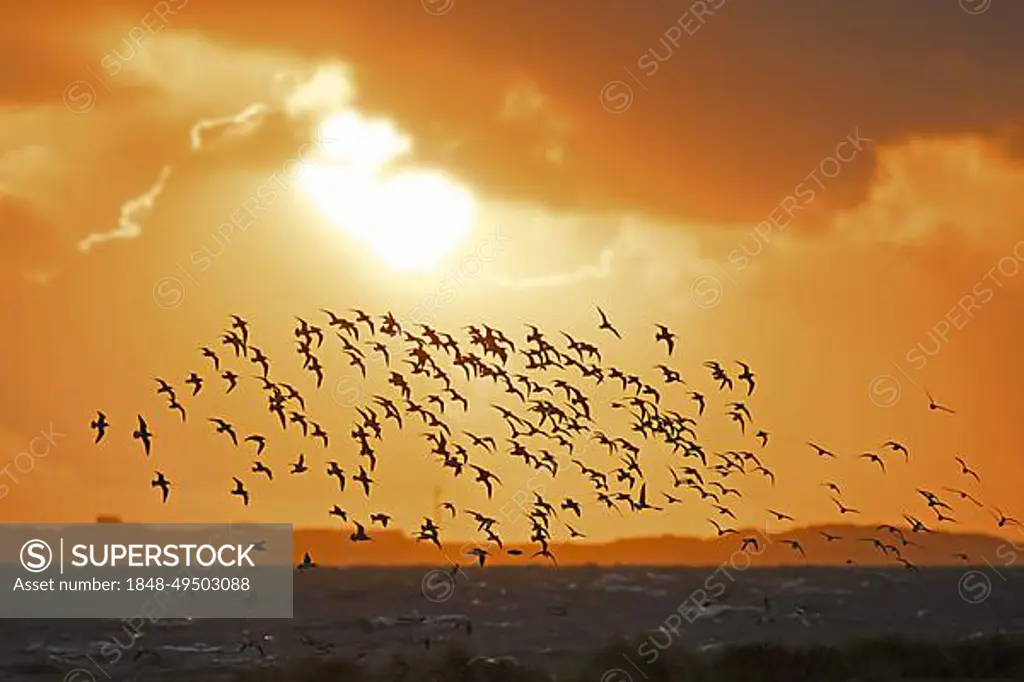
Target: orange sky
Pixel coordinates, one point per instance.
(655, 212)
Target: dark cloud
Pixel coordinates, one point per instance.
(735, 116)
(738, 113)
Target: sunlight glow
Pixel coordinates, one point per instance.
(409, 219)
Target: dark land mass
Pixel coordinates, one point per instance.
(396, 548)
(391, 547)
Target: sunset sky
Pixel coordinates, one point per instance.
(823, 189)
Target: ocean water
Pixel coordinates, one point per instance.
(530, 613)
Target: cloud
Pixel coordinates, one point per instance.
(653, 254)
(929, 189)
(174, 79)
(328, 89)
(682, 152)
(23, 165)
(963, 190)
(190, 73)
(243, 123)
(132, 210)
(526, 105)
(592, 271)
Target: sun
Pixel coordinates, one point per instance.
(409, 219)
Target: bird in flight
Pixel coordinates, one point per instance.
(484, 476)
(669, 375)
(242, 327)
(966, 470)
(100, 425)
(231, 378)
(480, 553)
(164, 387)
(208, 353)
(779, 516)
(722, 531)
(379, 347)
(334, 469)
(258, 358)
(699, 399)
(261, 442)
(486, 442)
(964, 495)
(359, 535)
(163, 484)
(224, 427)
(871, 456)
(664, 334)
(822, 452)
(607, 326)
(175, 405)
(738, 418)
(897, 447)
(196, 382)
(795, 544)
(144, 434)
(932, 405)
(573, 533)
(573, 506)
(747, 376)
(307, 562)
(363, 318)
(299, 466)
(1002, 520)
(767, 473)
(363, 478)
(259, 467)
(241, 491)
(844, 510)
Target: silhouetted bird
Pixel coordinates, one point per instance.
(606, 325)
(143, 434)
(163, 484)
(100, 425)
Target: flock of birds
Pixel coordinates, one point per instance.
(549, 414)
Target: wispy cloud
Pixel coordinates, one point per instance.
(328, 89)
(128, 226)
(651, 253)
(599, 270)
(243, 123)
